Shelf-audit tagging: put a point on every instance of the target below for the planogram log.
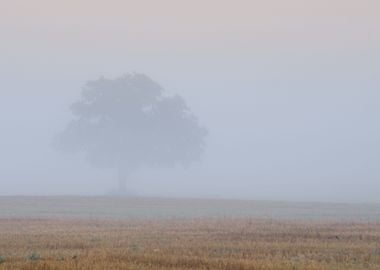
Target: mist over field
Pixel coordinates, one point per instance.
(287, 90)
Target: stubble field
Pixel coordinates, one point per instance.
(62, 242)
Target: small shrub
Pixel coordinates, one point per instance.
(2, 259)
(61, 258)
(34, 257)
(134, 247)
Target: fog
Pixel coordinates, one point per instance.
(287, 90)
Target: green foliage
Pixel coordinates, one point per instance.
(2, 259)
(34, 257)
(61, 258)
(135, 247)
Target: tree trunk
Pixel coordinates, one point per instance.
(123, 175)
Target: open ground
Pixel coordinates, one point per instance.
(216, 241)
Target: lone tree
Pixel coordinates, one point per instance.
(128, 123)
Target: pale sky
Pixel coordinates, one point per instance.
(289, 91)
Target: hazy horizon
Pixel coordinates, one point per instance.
(288, 91)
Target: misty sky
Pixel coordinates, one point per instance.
(289, 92)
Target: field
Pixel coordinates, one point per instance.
(42, 233)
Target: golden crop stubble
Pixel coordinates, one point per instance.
(188, 244)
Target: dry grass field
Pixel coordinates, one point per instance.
(201, 243)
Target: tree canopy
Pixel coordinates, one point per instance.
(128, 122)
